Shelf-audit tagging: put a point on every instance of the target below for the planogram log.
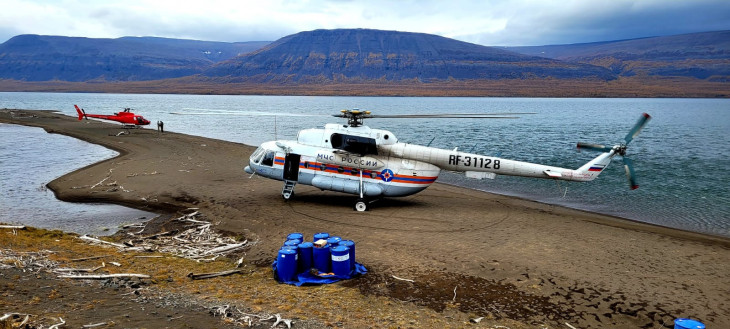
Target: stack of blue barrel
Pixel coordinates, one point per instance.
(330, 256)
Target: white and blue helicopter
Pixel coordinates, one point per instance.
(372, 163)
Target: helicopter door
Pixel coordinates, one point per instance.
(291, 167)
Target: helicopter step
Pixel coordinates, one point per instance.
(288, 190)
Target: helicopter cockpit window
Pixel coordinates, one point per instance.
(354, 144)
(257, 155)
(268, 159)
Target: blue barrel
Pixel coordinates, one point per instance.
(286, 264)
(688, 324)
(334, 240)
(289, 247)
(321, 258)
(340, 260)
(297, 241)
(305, 256)
(293, 243)
(295, 236)
(321, 236)
(350, 245)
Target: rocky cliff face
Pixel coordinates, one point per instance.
(390, 55)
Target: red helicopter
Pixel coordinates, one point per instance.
(126, 117)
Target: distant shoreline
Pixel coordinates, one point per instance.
(624, 87)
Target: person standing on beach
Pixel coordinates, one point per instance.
(160, 126)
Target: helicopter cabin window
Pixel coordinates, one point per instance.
(354, 144)
(268, 159)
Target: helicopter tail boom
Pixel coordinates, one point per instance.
(468, 162)
(81, 112)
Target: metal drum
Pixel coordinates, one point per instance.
(340, 260)
(321, 258)
(295, 236)
(321, 236)
(286, 264)
(292, 243)
(305, 256)
(688, 324)
(351, 245)
(334, 240)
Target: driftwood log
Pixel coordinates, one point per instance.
(212, 275)
(105, 276)
(14, 227)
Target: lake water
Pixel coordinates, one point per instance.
(29, 159)
(681, 158)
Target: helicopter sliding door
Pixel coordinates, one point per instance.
(291, 167)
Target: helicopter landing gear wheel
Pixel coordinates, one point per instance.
(361, 205)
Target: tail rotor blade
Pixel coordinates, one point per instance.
(630, 174)
(594, 147)
(637, 127)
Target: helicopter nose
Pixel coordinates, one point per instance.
(248, 170)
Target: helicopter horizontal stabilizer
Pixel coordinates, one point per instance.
(553, 173)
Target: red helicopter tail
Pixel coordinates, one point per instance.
(81, 112)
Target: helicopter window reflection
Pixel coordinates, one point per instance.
(268, 159)
(354, 144)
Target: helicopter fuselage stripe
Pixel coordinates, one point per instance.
(366, 174)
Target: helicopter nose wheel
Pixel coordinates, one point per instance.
(361, 205)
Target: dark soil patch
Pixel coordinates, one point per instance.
(438, 290)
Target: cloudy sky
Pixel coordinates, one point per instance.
(485, 22)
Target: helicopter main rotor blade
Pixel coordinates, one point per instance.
(441, 116)
(501, 115)
(637, 127)
(630, 173)
(594, 147)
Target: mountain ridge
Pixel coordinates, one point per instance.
(390, 55)
(370, 62)
(699, 55)
(32, 57)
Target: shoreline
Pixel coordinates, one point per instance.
(624, 222)
(589, 262)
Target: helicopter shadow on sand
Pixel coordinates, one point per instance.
(388, 215)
